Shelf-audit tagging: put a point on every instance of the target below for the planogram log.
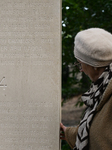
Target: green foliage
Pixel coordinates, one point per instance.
(78, 15)
(65, 146)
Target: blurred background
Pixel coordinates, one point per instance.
(78, 15)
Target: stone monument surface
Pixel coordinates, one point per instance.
(30, 60)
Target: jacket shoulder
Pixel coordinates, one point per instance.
(106, 96)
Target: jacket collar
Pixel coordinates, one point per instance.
(106, 96)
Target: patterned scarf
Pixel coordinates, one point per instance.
(91, 98)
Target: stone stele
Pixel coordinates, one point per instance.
(30, 74)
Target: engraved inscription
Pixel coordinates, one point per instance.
(27, 32)
(30, 73)
(2, 84)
